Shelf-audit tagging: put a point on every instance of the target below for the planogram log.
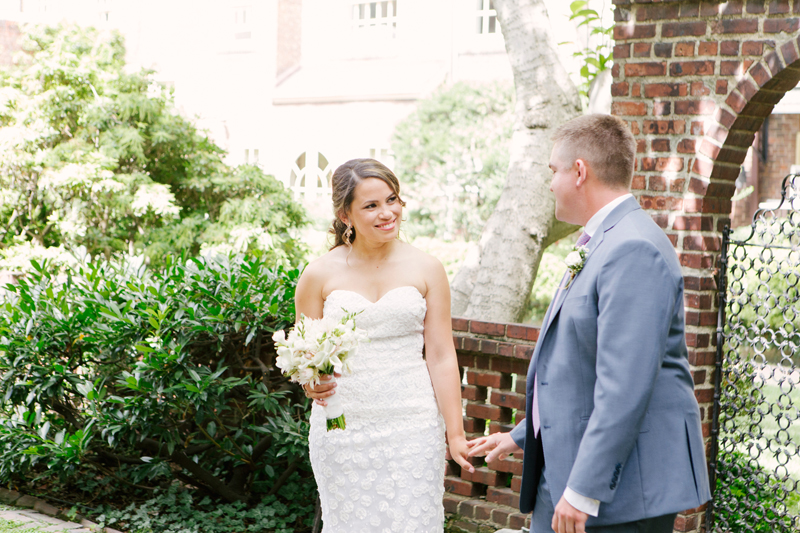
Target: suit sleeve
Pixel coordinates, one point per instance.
(518, 434)
(637, 295)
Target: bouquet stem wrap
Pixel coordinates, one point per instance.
(334, 411)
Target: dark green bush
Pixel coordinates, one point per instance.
(120, 376)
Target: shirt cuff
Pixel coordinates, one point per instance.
(589, 506)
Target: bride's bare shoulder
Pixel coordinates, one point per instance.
(423, 260)
(319, 269)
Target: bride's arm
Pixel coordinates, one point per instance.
(440, 355)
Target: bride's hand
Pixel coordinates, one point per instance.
(324, 389)
(459, 451)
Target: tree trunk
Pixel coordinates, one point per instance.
(496, 284)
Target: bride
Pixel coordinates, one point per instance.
(385, 471)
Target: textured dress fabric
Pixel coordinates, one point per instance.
(385, 471)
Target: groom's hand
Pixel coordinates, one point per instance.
(567, 519)
(495, 446)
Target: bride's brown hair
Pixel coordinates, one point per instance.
(344, 182)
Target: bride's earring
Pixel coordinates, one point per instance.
(347, 234)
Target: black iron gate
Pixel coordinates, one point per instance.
(755, 455)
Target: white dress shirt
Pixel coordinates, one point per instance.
(580, 502)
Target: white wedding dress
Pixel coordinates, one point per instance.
(385, 472)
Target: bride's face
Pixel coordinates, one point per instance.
(376, 211)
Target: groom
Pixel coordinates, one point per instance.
(612, 437)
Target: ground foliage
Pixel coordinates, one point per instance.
(117, 378)
(451, 157)
(94, 156)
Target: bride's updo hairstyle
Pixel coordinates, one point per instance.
(344, 182)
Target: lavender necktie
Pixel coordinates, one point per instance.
(582, 240)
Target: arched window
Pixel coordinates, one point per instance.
(310, 174)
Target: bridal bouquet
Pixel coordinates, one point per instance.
(317, 347)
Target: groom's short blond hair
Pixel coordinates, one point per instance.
(604, 142)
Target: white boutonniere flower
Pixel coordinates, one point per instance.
(575, 261)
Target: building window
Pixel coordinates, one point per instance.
(242, 22)
(384, 155)
(310, 174)
(378, 17)
(487, 17)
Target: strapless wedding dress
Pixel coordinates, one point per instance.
(385, 472)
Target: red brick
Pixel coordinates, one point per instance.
(698, 88)
(500, 515)
(729, 48)
(475, 426)
(756, 6)
(510, 366)
(634, 31)
(707, 48)
(682, 29)
(622, 51)
(519, 520)
(471, 392)
(693, 223)
(487, 378)
(503, 496)
(619, 88)
(685, 49)
(508, 399)
(523, 352)
(788, 25)
(661, 109)
(697, 186)
(641, 146)
(471, 344)
(488, 347)
(459, 486)
(460, 324)
(778, 6)
(517, 331)
(660, 145)
(484, 476)
(487, 328)
(662, 50)
(686, 146)
(722, 87)
(450, 503)
(789, 51)
(467, 507)
(664, 127)
(677, 185)
(691, 68)
(639, 182)
(483, 511)
(700, 243)
(628, 108)
(709, 9)
(646, 69)
(695, 107)
(703, 395)
(752, 48)
(653, 90)
(721, 190)
(661, 219)
(697, 301)
(516, 483)
(512, 466)
(727, 26)
(731, 7)
(690, 10)
(736, 101)
(635, 124)
(747, 89)
(731, 68)
(657, 12)
(662, 164)
(641, 50)
(701, 358)
(708, 148)
(465, 359)
(488, 412)
(774, 62)
(685, 523)
(697, 340)
(636, 89)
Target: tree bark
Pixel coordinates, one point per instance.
(496, 284)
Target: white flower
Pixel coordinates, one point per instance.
(573, 259)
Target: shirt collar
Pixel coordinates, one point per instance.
(600, 216)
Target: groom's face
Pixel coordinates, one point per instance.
(563, 184)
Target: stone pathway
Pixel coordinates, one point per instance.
(34, 512)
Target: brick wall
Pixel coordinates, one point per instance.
(781, 135)
(494, 358)
(695, 81)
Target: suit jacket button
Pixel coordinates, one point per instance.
(612, 486)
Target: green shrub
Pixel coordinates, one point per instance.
(125, 377)
(749, 498)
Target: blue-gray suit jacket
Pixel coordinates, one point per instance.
(619, 419)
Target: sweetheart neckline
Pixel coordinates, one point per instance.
(379, 299)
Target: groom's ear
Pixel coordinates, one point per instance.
(581, 171)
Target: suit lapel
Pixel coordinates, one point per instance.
(627, 206)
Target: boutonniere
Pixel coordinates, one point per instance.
(575, 261)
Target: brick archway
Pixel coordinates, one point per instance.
(696, 80)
